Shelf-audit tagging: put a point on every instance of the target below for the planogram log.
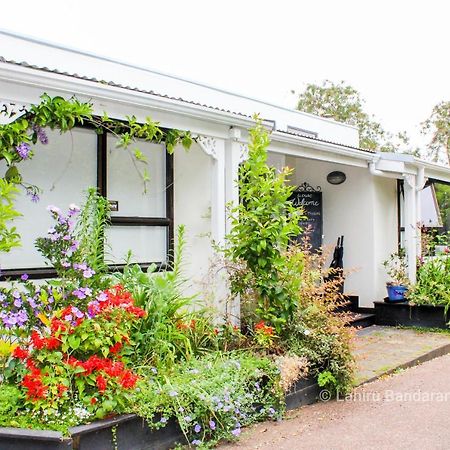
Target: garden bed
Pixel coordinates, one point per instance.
(126, 432)
(405, 314)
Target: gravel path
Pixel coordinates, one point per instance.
(409, 410)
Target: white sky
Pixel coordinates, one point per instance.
(396, 53)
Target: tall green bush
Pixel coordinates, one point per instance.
(263, 223)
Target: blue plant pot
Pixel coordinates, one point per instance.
(396, 293)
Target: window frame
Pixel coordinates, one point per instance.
(102, 186)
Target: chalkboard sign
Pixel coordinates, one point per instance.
(310, 199)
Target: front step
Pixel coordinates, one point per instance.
(362, 320)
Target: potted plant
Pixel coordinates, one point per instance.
(397, 269)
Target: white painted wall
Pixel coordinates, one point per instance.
(363, 209)
(192, 205)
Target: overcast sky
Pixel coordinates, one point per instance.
(396, 53)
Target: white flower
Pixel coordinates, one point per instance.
(307, 332)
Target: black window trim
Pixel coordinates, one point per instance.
(102, 186)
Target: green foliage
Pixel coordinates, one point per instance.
(172, 330)
(397, 268)
(213, 397)
(433, 282)
(17, 137)
(262, 226)
(319, 331)
(327, 379)
(9, 238)
(343, 103)
(437, 128)
(90, 232)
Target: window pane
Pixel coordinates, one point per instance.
(127, 187)
(63, 169)
(147, 244)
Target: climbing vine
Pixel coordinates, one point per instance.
(17, 140)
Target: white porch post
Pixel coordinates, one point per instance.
(411, 231)
(216, 149)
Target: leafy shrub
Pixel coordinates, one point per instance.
(320, 333)
(176, 327)
(213, 397)
(263, 224)
(433, 282)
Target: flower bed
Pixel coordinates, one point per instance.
(126, 432)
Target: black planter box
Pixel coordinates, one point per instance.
(131, 431)
(402, 313)
(304, 392)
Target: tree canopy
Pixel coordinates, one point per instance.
(437, 127)
(343, 103)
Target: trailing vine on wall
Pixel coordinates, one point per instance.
(56, 113)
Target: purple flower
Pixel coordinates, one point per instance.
(23, 150)
(65, 264)
(88, 273)
(24, 277)
(212, 425)
(173, 393)
(17, 302)
(77, 312)
(236, 432)
(32, 303)
(16, 294)
(74, 208)
(34, 196)
(82, 293)
(188, 418)
(197, 428)
(42, 136)
(196, 442)
(102, 297)
(271, 411)
(163, 420)
(74, 246)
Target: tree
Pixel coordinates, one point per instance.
(437, 127)
(343, 103)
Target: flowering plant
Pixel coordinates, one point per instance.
(213, 397)
(79, 359)
(264, 334)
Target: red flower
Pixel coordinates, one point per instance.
(116, 347)
(128, 379)
(266, 329)
(33, 383)
(52, 343)
(101, 383)
(38, 342)
(93, 401)
(20, 353)
(61, 389)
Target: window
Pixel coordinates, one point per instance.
(73, 161)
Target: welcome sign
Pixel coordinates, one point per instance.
(310, 200)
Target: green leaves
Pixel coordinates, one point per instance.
(9, 238)
(263, 225)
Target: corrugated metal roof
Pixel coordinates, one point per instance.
(156, 94)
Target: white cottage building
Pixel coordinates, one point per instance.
(377, 206)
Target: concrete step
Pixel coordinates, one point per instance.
(362, 320)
